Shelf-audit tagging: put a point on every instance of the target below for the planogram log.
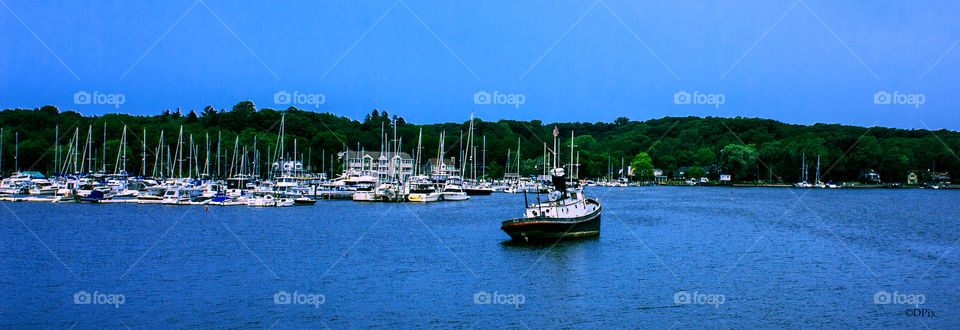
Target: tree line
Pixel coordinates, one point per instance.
(747, 148)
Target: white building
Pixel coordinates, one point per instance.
(383, 165)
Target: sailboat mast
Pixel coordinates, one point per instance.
(104, 163)
(219, 136)
(518, 157)
(56, 154)
(571, 156)
(143, 161)
(16, 152)
(818, 168)
(483, 164)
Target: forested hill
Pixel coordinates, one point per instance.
(741, 145)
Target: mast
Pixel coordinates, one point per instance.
(483, 164)
(518, 158)
(116, 163)
(416, 164)
(158, 156)
(179, 153)
(571, 156)
(206, 159)
(143, 161)
(219, 135)
(124, 149)
(104, 164)
(803, 168)
(818, 169)
(56, 153)
(16, 152)
(463, 163)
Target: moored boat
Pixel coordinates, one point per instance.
(567, 214)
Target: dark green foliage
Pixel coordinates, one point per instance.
(670, 142)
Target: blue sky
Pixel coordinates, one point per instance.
(795, 61)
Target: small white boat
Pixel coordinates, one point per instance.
(269, 201)
(424, 197)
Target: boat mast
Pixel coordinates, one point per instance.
(464, 152)
(116, 163)
(124, 149)
(143, 161)
(483, 164)
(158, 157)
(179, 153)
(16, 152)
(103, 168)
(571, 157)
(56, 151)
(219, 136)
(803, 168)
(206, 160)
(818, 169)
(416, 164)
(518, 158)
(76, 149)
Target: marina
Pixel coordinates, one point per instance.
(462, 165)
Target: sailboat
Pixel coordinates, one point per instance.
(566, 214)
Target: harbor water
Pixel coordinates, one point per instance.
(667, 257)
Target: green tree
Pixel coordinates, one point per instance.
(739, 160)
(642, 166)
(695, 172)
(704, 157)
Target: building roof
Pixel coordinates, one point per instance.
(374, 154)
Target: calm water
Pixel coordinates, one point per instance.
(754, 257)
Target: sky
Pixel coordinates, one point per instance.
(865, 63)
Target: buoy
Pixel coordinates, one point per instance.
(206, 208)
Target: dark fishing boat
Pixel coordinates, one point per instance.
(478, 190)
(303, 201)
(566, 214)
(95, 196)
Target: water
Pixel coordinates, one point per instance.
(756, 257)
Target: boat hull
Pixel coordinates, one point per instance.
(478, 191)
(542, 228)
